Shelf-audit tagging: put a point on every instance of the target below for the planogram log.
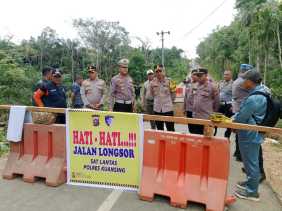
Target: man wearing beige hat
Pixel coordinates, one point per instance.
(147, 99)
(93, 90)
(122, 93)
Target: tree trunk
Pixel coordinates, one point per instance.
(265, 67)
(279, 44)
(41, 58)
(72, 63)
(258, 63)
(250, 57)
(258, 59)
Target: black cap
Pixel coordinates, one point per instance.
(158, 66)
(252, 75)
(194, 71)
(91, 68)
(200, 71)
(56, 72)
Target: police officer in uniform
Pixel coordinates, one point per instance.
(190, 90)
(163, 97)
(225, 90)
(206, 99)
(93, 90)
(52, 94)
(147, 99)
(122, 93)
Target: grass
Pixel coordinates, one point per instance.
(279, 124)
(4, 146)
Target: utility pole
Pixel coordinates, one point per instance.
(72, 62)
(162, 33)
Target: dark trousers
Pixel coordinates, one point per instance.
(250, 157)
(120, 107)
(60, 119)
(261, 167)
(160, 124)
(226, 110)
(150, 110)
(198, 129)
(191, 127)
(237, 154)
(77, 106)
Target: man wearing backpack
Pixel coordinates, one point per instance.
(252, 111)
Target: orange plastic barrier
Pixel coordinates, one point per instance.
(185, 168)
(41, 153)
(179, 92)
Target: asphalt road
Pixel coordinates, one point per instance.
(16, 195)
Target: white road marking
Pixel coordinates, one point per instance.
(110, 201)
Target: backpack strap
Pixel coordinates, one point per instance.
(261, 93)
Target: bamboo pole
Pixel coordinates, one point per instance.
(178, 120)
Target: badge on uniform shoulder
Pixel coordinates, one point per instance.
(95, 120)
(109, 120)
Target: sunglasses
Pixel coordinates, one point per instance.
(199, 75)
(158, 71)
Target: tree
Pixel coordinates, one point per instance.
(108, 39)
(253, 37)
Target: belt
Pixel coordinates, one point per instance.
(226, 103)
(124, 101)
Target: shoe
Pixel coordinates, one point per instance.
(263, 177)
(241, 185)
(243, 194)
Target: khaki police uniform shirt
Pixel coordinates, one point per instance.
(225, 88)
(206, 100)
(93, 91)
(239, 94)
(146, 97)
(163, 96)
(122, 88)
(190, 92)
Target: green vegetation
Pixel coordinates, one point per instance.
(100, 42)
(279, 124)
(254, 37)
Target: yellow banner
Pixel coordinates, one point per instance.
(104, 148)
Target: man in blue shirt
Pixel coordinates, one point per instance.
(53, 95)
(239, 94)
(252, 111)
(46, 77)
(75, 92)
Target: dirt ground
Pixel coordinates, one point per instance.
(273, 166)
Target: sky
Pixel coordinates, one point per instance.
(141, 18)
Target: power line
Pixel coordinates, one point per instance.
(205, 18)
